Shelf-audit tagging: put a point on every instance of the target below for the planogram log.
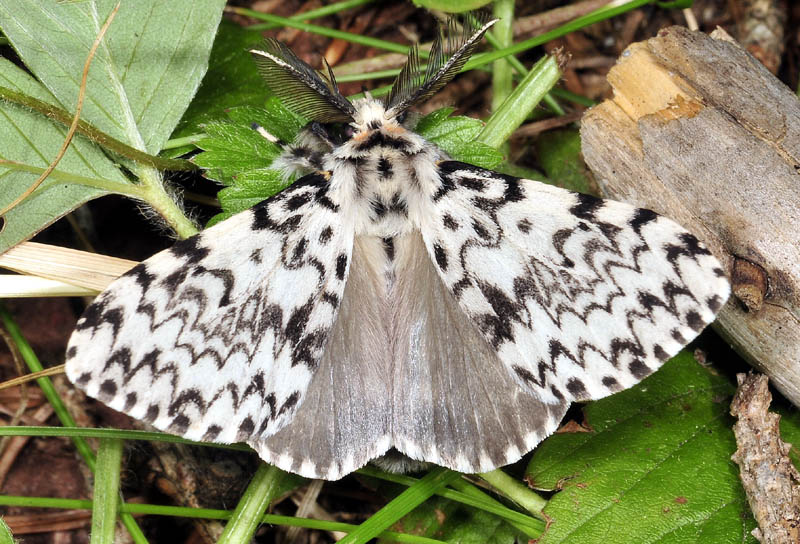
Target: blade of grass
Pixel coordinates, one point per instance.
(244, 521)
(503, 36)
(206, 513)
(515, 491)
(513, 111)
(50, 393)
(401, 505)
(106, 491)
(466, 493)
(596, 16)
(324, 11)
(324, 31)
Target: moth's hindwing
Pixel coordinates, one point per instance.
(580, 297)
(217, 338)
(455, 402)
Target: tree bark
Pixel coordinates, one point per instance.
(699, 131)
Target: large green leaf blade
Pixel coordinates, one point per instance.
(145, 72)
(655, 468)
(32, 141)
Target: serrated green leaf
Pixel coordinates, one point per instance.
(32, 141)
(456, 137)
(447, 131)
(655, 468)
(231, 149)
(274, 117)
(232, 79)
(426, 123)
(476, 153)
(249, 189)
(560, 156)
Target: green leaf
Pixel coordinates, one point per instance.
(456, 137)
(32, 141)
(5, 533)
(656, 466)
(231, 80)
(142, 77)
(273, 116)
(790, 430)
(560, 156)
(232, 148)
(248, 189)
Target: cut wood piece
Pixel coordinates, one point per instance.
(701, 132)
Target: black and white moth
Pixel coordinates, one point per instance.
(393, 298)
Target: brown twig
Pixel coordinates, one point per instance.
(770, 480)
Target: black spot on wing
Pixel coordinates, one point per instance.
(694, 320)
(714, 303)
(289, 403)
(190, 249)
(690, 246)
(639, 369)
(130, 401)
(212, 433)
(524, 226)
(326, 235)
(476, 185)
(659, 353)
(586, 206)
(449, 222)
(180, 424)
(642, 217)
(246, 428)
(577, 389)
(295, 202)
(298, 320)
(108, 389)
(611, 383)
(152, 413)
(341, 266)
(441, 256)
(141, 276)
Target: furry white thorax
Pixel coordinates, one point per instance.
(385, 175)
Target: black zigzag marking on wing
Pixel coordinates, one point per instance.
(236, 327)
(603, 250)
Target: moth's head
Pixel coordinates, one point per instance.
(317, 98)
